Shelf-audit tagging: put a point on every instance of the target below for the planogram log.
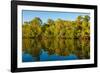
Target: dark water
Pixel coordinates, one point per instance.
(55, 49)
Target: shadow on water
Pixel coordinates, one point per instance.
(55, 49)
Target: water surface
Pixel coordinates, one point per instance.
(55, 49)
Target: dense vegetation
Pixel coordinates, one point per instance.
(64, 29)
(57, 37)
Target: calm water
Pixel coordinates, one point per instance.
(55, 49)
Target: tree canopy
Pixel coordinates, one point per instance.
(66, 29)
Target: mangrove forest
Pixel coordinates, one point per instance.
(56, 39)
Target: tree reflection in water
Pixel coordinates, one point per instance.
(55, 49)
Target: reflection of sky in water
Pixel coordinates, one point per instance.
(55, 49)
(45, 57)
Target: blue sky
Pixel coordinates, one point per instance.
(28, 15)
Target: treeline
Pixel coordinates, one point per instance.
(79, 28)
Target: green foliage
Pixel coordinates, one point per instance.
(60, 37)
(80, 28)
